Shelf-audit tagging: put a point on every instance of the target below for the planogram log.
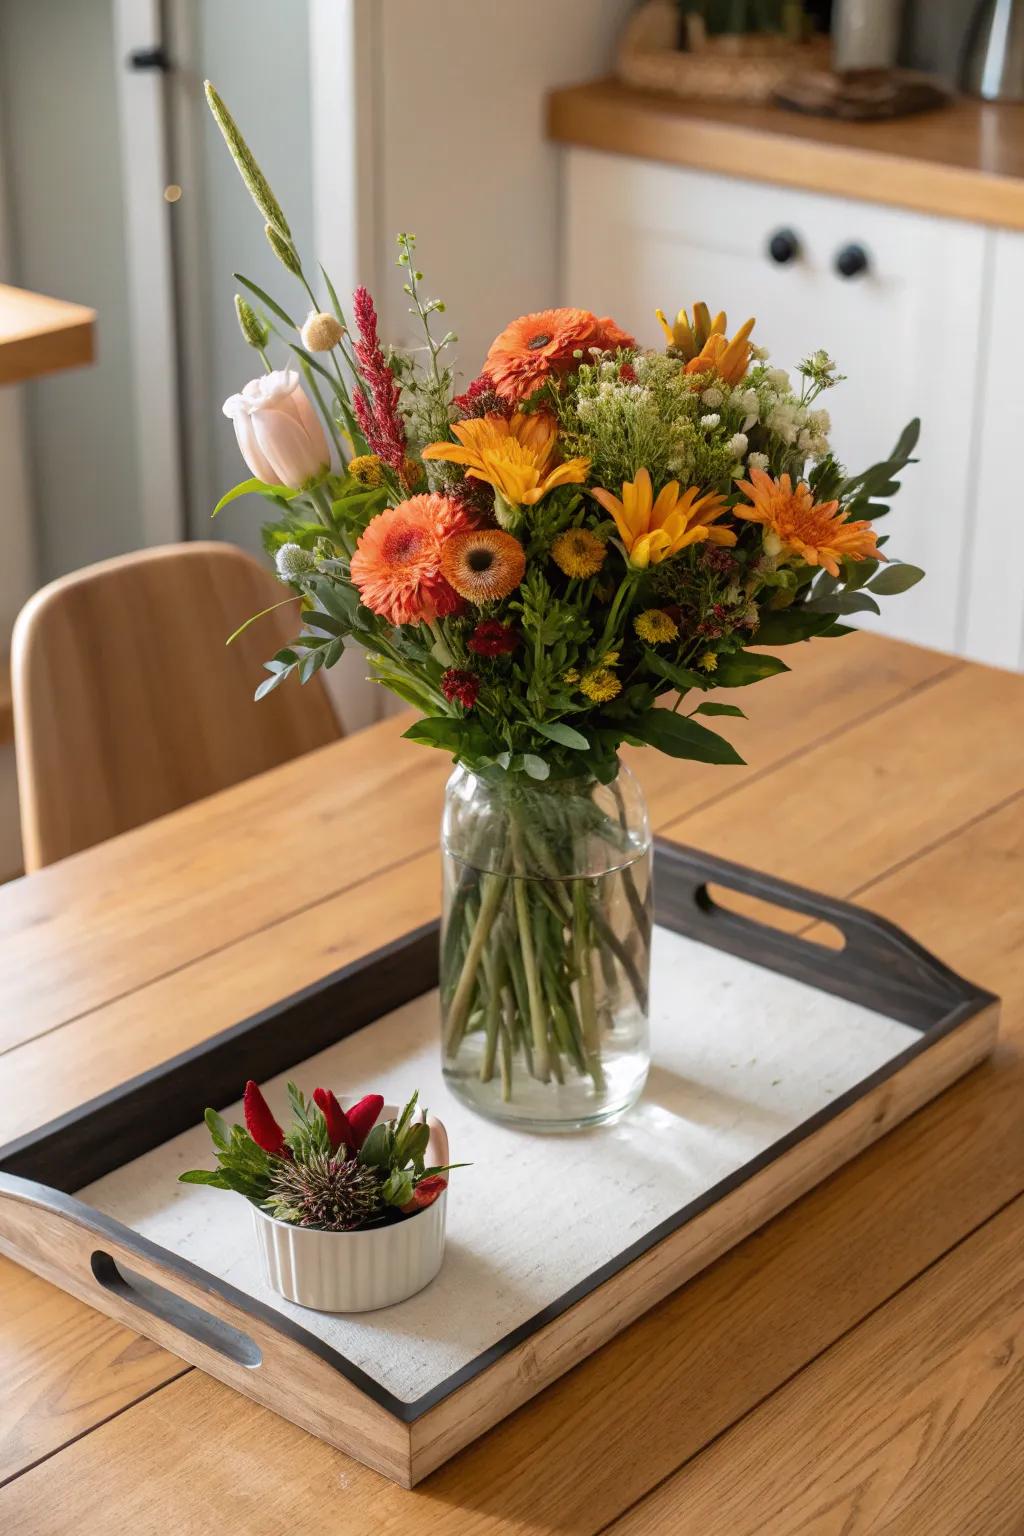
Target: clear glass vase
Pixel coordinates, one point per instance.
(545, 947)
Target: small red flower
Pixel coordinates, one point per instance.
(260, 1123)
(425, 1193)
(339, 1127)
(460, 687)
(481, 399)
(493, 638)
(362, 1117)
(627, 373)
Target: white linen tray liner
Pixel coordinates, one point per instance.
(740, 1057)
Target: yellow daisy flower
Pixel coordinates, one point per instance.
(367, 469)
(578, 552)
(600, 685)
(708, 662)
(655, 626)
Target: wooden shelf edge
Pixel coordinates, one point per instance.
(42, 335)
(768, 144)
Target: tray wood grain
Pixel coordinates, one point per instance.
(263, 1355)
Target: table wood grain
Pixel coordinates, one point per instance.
(875, 771)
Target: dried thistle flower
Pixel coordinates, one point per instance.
(324, 1190)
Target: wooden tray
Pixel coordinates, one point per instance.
(775, 1060)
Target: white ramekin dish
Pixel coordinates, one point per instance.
(357, 1271)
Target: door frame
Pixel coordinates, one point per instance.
(146, 172)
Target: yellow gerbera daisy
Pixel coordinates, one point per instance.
(578, 552)
(652, 530)
(798, 525)
(704, 346)
(655, 626)
(518, 457)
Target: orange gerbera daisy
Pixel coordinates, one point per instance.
(651, 530)
(397, 561)
(813, 531)
(704, 346)
(519, 458)
(483, 565)
(535, 347)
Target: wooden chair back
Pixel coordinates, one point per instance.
(128, 704)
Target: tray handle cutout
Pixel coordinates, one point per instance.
(715, 897)
(181, 1314)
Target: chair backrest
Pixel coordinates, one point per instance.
(128, 704)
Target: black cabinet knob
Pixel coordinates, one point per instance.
(851, 261)
(783, 246)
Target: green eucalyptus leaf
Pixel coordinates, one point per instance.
(790, 625)
(535, 766)
(555, 730)
(745, 667)
(711, 708)
(895, 578)
(680, 677)
(680, 737)
(844, 602)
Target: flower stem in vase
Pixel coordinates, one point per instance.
(588, 1009)
(493, 891)
(538, 1023)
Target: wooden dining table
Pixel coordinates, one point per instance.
(855, 1366)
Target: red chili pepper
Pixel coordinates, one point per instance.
(339, 1126)
(260, 1123)
(425, 1193)
(362, 1117)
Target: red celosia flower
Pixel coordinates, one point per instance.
(481, 399)
(425, 1193)
(493, 638)
(362, 1117)
(260, 1123)
(627, 373)
(339, 1127)
(379, 417)
(460, 687)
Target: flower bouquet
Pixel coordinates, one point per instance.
(567, 554)
(336, 1173)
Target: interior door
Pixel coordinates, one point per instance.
(906, 326)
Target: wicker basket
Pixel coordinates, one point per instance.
(747, 68)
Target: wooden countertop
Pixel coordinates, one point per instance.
(965, 161)
(41, 335)
(856, 1364)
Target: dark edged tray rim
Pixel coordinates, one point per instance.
(916, 988)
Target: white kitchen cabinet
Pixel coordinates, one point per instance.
(907, 331)
(993, 617)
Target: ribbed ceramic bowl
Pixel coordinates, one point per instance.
(357, 1271)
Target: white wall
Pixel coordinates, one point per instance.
(461, 158)
(58, 121)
